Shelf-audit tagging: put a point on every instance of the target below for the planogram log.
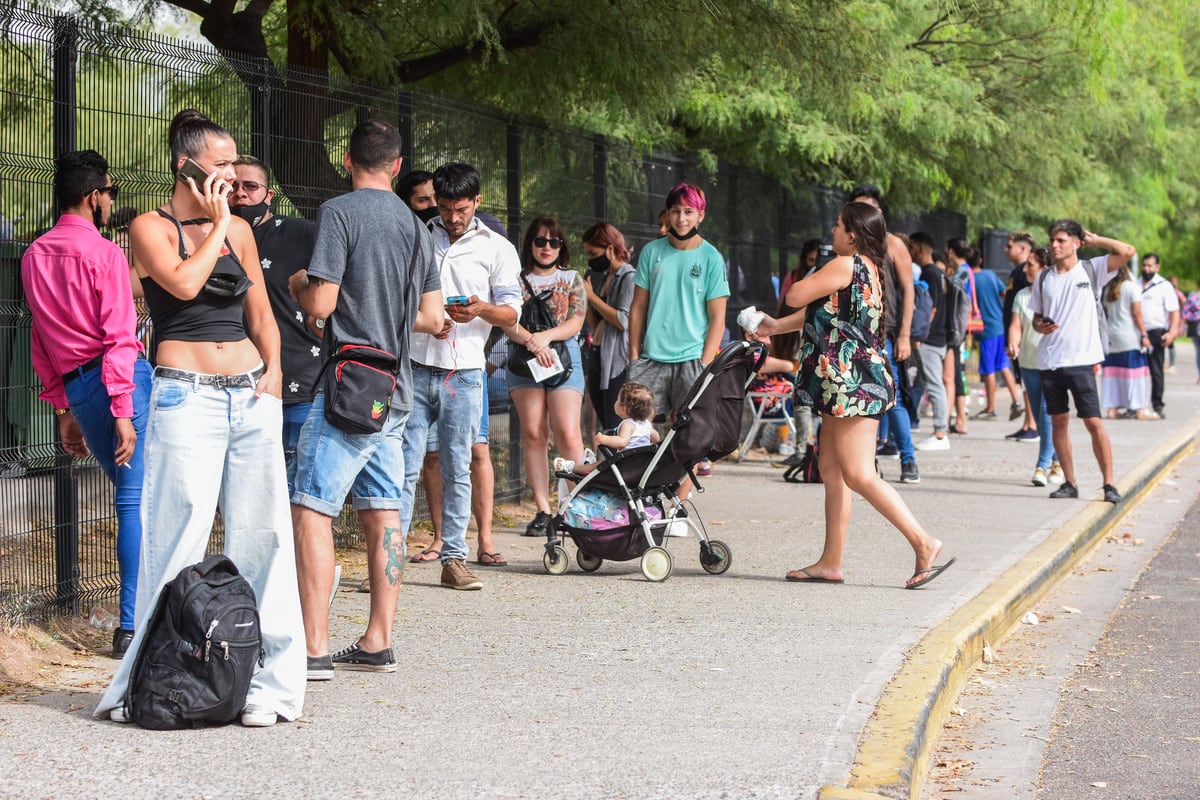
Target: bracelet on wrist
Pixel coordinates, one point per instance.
(61, 412)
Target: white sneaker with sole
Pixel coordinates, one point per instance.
(1055, 475)
(1039, 477)
(934, 443)
(258, 717)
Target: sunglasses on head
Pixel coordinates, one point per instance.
(542, 241)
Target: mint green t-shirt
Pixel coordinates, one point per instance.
(680, 283)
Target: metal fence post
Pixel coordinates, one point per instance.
(600, 176)
(516, 460)
(406, 125)
(66, 493)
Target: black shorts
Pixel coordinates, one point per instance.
(1079, 382)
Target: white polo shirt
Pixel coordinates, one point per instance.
(481, 263)
(1158, 301)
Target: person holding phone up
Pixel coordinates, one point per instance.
(214, 434)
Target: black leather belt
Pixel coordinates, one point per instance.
(243, 380)
(82, 368)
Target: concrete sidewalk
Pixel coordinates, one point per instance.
(604, 685)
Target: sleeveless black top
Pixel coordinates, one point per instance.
(210, 316)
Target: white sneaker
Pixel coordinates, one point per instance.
(563, 465)
(934, 443)
(1039, 477)
(258, 717)
(588, 456)
(1055, 475)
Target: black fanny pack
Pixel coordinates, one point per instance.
(358, 383)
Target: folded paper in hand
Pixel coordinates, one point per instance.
(540, 373)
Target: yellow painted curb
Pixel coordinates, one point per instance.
(893, 752)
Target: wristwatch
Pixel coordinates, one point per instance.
(58, 412)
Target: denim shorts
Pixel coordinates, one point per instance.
(332, 463)
(574, 381)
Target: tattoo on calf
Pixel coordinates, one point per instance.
(393, 546)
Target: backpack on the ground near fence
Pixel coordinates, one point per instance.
(199, 652)
(1101, 314)
(922, 312)
(958, 303)
(808, 470)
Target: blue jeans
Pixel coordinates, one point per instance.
(1032, 380)
(91, 407)
(899, 426)
(210, 449)
(293, 419)
(450, 403)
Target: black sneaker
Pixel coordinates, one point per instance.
(793, 460)
(320, 668)
(1066, 490)
(909, 474)
(887, 450)
(122, 638)
(1111, 495)
(354, 657)
(539, 525)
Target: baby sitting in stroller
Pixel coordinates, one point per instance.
(635, 406)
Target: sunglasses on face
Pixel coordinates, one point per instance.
(249, 186)
(542, 241)
(111, 191)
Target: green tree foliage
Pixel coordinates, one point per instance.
(1012, 111)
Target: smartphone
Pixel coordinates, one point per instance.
(1048, 321)
(194, 171)
(458, 300)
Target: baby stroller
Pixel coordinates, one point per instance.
(626, 507)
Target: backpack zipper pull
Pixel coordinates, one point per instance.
(225, 647)
(208, 640)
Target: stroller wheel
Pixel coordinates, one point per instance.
(716, 557)
(656, 564)
(588, 563)
(555, 560)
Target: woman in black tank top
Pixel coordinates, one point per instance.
(214, 437)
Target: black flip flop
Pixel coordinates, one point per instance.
(419, 558)
(497, 560)
(930, 573)
(811, 578)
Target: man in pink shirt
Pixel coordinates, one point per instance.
(85, 351)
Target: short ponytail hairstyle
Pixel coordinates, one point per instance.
(188, 135)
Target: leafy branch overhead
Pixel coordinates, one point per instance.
(1013, 111)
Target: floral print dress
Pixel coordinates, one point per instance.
(844, 371)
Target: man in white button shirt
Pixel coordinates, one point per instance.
(480, 272)
(1160, 312)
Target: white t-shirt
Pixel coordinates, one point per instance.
(1069, 299)
(1158, 301)
(1029, 337)
(1123, 334)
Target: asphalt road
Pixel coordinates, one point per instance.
(1128, 725)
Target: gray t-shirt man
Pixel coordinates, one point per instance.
(379, 296)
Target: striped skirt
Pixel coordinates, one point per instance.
(1125, 382)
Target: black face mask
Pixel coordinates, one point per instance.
(684, 238)
(426, 214)
(252, 213)
(598, 263)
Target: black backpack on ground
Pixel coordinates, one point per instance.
(199, 652)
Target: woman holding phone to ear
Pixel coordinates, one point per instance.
(545, 270)
(214, 435)
(844, 376)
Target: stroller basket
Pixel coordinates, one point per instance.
(642, 482)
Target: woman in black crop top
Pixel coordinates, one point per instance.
(214, 435)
